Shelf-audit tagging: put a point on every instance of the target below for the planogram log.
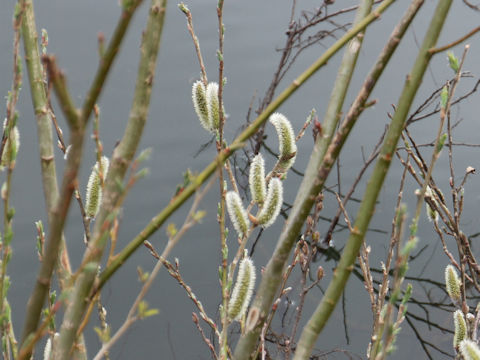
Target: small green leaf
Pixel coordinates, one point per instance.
(103, 334)
(171, 230)
(144, 311)
(53, 297)
(199, 215)
(225, 252)
(444, 97)
(142, 173)
(408, 293)
(144, 155)
(151, 312)
(453, 61)
(10, 213)
(183, 8)
(142, 275)
(441, 142)
(311, 116)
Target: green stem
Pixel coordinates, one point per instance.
(40, 105)
(339, 91)
(53, 243)
(52, 246)
(220, 146)
(57, 78)
(108, 57)
(161, 217)
(7, 154)
(77, 124)
(308, 190)
(44, 133)
(325, 308)
(122, 157)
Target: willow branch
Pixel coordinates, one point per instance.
(456, 42)
(42, 285)
(161, 217)
(44, 133)
(122, 157)
(314, 179)
(59, 205)
(108, 57)
(340, 87)
(366, 210)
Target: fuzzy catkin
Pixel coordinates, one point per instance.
(286, 139)
(51, 344)
(256, 179)
(452, 283)
(47, 352)
(243, 289)
(93, 197)
(199, 99)
(469, 350)
(460, 328)
(237, 213)
(273, 203)
(213, 106)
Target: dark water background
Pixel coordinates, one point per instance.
(254, 29)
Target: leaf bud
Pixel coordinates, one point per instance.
(11, 147)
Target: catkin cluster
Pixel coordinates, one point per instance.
(206, 104)
(266, 191)
(464, 325)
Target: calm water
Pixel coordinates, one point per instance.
(253, 31)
